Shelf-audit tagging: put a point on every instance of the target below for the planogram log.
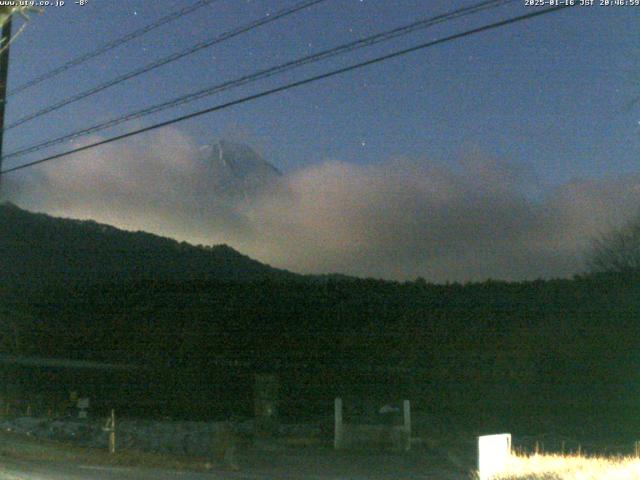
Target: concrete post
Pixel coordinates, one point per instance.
(112, 433)
(338, 435)
(406, 415)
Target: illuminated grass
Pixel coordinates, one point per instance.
(571, 467)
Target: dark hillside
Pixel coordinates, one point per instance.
(503, 352)
(520, 355)
(39, 250)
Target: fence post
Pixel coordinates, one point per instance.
(112, 433)
(406, 409)
(338, 435)
(110, 427)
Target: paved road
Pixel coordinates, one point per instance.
(309, 469)
(21, 470)
(311, 463)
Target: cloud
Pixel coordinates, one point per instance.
(403, 218)
(156, 185)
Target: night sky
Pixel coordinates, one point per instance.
(498, 155)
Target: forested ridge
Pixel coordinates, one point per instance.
(39, 250)
(565, 349)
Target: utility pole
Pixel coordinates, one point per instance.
(4, 74)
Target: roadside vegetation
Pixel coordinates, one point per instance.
(571, 467)
(26, 448)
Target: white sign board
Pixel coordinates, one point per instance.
(493, 455)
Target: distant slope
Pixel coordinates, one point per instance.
(237, 172)
(39, 250)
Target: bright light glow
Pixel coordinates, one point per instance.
(494, 452)
(571, 467)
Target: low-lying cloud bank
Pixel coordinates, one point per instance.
(399, 219)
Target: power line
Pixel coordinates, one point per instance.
(111, 45)
(299, 83)
(163, 61)
(266, 73)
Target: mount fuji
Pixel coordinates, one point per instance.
(236, 172)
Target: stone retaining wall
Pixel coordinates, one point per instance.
(175, 437)
(382, 436)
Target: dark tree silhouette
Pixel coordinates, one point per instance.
(617, 251)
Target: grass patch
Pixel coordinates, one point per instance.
(571, 467)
